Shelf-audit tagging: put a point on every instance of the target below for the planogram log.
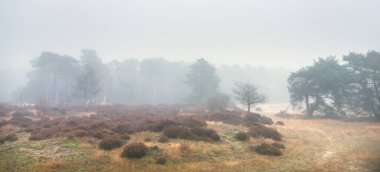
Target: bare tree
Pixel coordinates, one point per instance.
(246, 93)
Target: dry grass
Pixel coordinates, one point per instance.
(311, 145)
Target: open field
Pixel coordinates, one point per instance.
(311, 145)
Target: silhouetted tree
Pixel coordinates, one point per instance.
(202, 80)
(246, 93)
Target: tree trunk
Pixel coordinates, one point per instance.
(249, 107)
(308, 112)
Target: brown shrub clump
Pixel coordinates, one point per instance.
(205, 134)
(280, 123)
(267, 149)
(2, 140)
(242, 136)
(134, 150)
(11, 137)
(184, 148)
(278, 145)
(255, 118)
(263, 131)
(176, 132)
(110, 143)
(163, 139)
(228, 117)
(160, 159)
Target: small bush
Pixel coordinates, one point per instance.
(227, 117)
(10, 137)
(2, 140)
(267, 149)
(110, 143)
(134, 150)
(40, 135)
(280, 123)
(184, 148)
(163, 139)
(205, 133)
(160, 159)
(191, 122)
(163, 124)
(242, 136)
(178, 132)
(252, 118)
(147, 139)
(263, 131)
(278, 145)
(283, 114)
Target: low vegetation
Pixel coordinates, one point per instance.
(134, 150)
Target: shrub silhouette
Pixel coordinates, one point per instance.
(11, 137)
(280, 123)
(110, 143)
(205, 134)
(178, 132)
(160, 159)
(242, 136)
(263, 131)
(267, 149)
(134, 150)
(278, 145)
(2, 140)
(163, 139)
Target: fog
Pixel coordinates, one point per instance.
(267, 39)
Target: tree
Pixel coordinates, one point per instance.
(203, 81)
(246, 93)
(365, 89)
(51, 79)
(322, 87)
(87, 84)
(219, 102)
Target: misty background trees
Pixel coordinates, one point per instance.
(338, 89)
(57, 79)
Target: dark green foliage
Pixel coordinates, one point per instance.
(203, 81)
(267, 149)
(242, 136)
(2, 140)
(134, 150)
(110, 143)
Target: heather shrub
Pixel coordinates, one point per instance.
(11, 137)
(227, 117)
(205, 133)
(41, 134)
(267, 149)
(134, 150)
(191, 122)
(21, 122)
(280, 123)
(278, 145)
(2, 140)
(178, 132)
(184, 148)
(110, 143)
(263, 131)
(147, 139)
(252, 118)
(160, 159)
(163, 124)
(163, 139)
(242, 136)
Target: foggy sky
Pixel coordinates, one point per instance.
(287, 33)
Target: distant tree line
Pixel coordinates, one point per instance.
(63, 80)
(334, 89)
